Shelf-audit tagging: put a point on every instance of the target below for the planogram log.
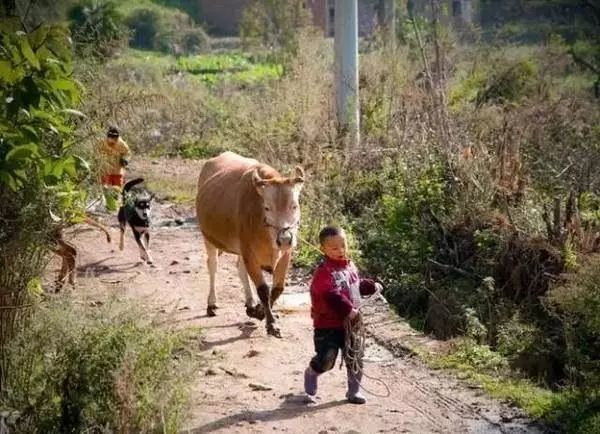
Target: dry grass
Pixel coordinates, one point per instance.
(173, 179)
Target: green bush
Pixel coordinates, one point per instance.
(166, 30)
(192, 7)
(145, 25)
(195, 41)
(510, 84)
(577, 305)
(398, 225)
(79, 368)
(274, 24)
(97, 27)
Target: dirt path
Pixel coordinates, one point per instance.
(254, 382)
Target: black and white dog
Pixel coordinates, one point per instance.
(135, 211)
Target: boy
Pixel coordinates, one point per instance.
(335, 295)
(113, 151)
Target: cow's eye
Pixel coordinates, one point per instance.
(294, 207)
(267, 209)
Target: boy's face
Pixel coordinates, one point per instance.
(112, 139)
(335, 247)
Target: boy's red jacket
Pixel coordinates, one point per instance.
(336, 289)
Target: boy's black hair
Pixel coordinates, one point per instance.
(113, 132)
(330, 231)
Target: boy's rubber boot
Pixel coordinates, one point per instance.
(111, 196)
(353, 395)
(310, 384)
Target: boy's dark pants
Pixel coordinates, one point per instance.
(327, 344)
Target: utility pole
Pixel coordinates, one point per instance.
(346, 69)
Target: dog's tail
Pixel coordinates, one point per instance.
(129, 185)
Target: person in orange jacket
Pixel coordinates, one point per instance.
(114, 154)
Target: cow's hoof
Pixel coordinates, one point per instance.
(210, 311)
(256, 312)
(273, 331)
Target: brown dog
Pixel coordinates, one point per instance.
(68, 253)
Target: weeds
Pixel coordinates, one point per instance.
(81, 368)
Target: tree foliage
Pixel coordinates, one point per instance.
(97, 26)
(39, 96)
(39, 171)
(274, 24)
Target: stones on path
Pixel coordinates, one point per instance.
(251, 353)
(257, 387)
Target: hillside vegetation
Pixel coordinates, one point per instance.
(474, 194)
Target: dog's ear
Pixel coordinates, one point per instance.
(152, 196)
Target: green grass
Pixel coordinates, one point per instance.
(571, 411)
(175, 190)
(207, 69)
(229, 67)
(127, 7)
(213, 63)
(143, 59)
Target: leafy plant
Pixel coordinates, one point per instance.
(39, 170)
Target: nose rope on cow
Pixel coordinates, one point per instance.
(281, 228)
(354, 344)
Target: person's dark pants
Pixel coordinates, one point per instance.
(328, 342)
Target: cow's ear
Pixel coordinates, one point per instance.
(258, 182)
(298, 175)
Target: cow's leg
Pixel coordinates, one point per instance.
(279, 274)
(253, 308)
(255, 273)
(212, 254)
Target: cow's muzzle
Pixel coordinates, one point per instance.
(284, 235)
(285, 238)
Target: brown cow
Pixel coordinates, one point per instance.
(249, 209)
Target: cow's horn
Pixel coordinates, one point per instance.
(257, 180)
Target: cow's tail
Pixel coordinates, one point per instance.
(130, 184)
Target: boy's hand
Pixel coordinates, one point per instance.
(353, 314)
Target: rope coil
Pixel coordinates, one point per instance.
(355, 343)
